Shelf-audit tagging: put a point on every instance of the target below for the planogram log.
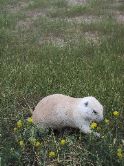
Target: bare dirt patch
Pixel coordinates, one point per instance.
(85, 18)
(61, 42)
(19, 6)
(88, 36)
(36, 13)
(76, 2)
(116, 3)
(24, 24)
(56, 41)
(31, 16)
(92, 37)
(119, 16)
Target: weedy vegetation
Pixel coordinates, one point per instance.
(69, 47)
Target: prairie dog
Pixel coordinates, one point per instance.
(58, 111)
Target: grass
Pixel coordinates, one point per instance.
(30, 70)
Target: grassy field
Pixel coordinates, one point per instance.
(57, 46)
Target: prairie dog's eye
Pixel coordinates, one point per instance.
(86, 104)
(94, 112)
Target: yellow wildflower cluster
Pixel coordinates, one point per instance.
(63, 142)
(93, 125)
(21, 143)
(52, 154)
(35, 142)
(30, 120)
(106, 121)
(119, 153)
(19, 124)
(116, 113)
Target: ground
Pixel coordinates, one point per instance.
(73, 47)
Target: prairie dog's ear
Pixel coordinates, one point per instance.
(86, 103)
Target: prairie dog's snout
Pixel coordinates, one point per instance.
(57, 111)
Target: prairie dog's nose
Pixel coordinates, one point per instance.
(100, 118)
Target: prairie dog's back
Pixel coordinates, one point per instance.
(54, 110)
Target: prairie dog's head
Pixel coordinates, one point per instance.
(93, 109)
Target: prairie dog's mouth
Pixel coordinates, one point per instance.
(100, 119)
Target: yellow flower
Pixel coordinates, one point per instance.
(30, 120)
(15, 129)
(52, 154)
(93, 125)
(119, 153)
(106, 121)
(19, 124)
(37, 144)
(119, 150)
(116, 113)
(21, 143)
(63, 142)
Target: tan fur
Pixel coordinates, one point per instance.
(47, 111)
(57, 111)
